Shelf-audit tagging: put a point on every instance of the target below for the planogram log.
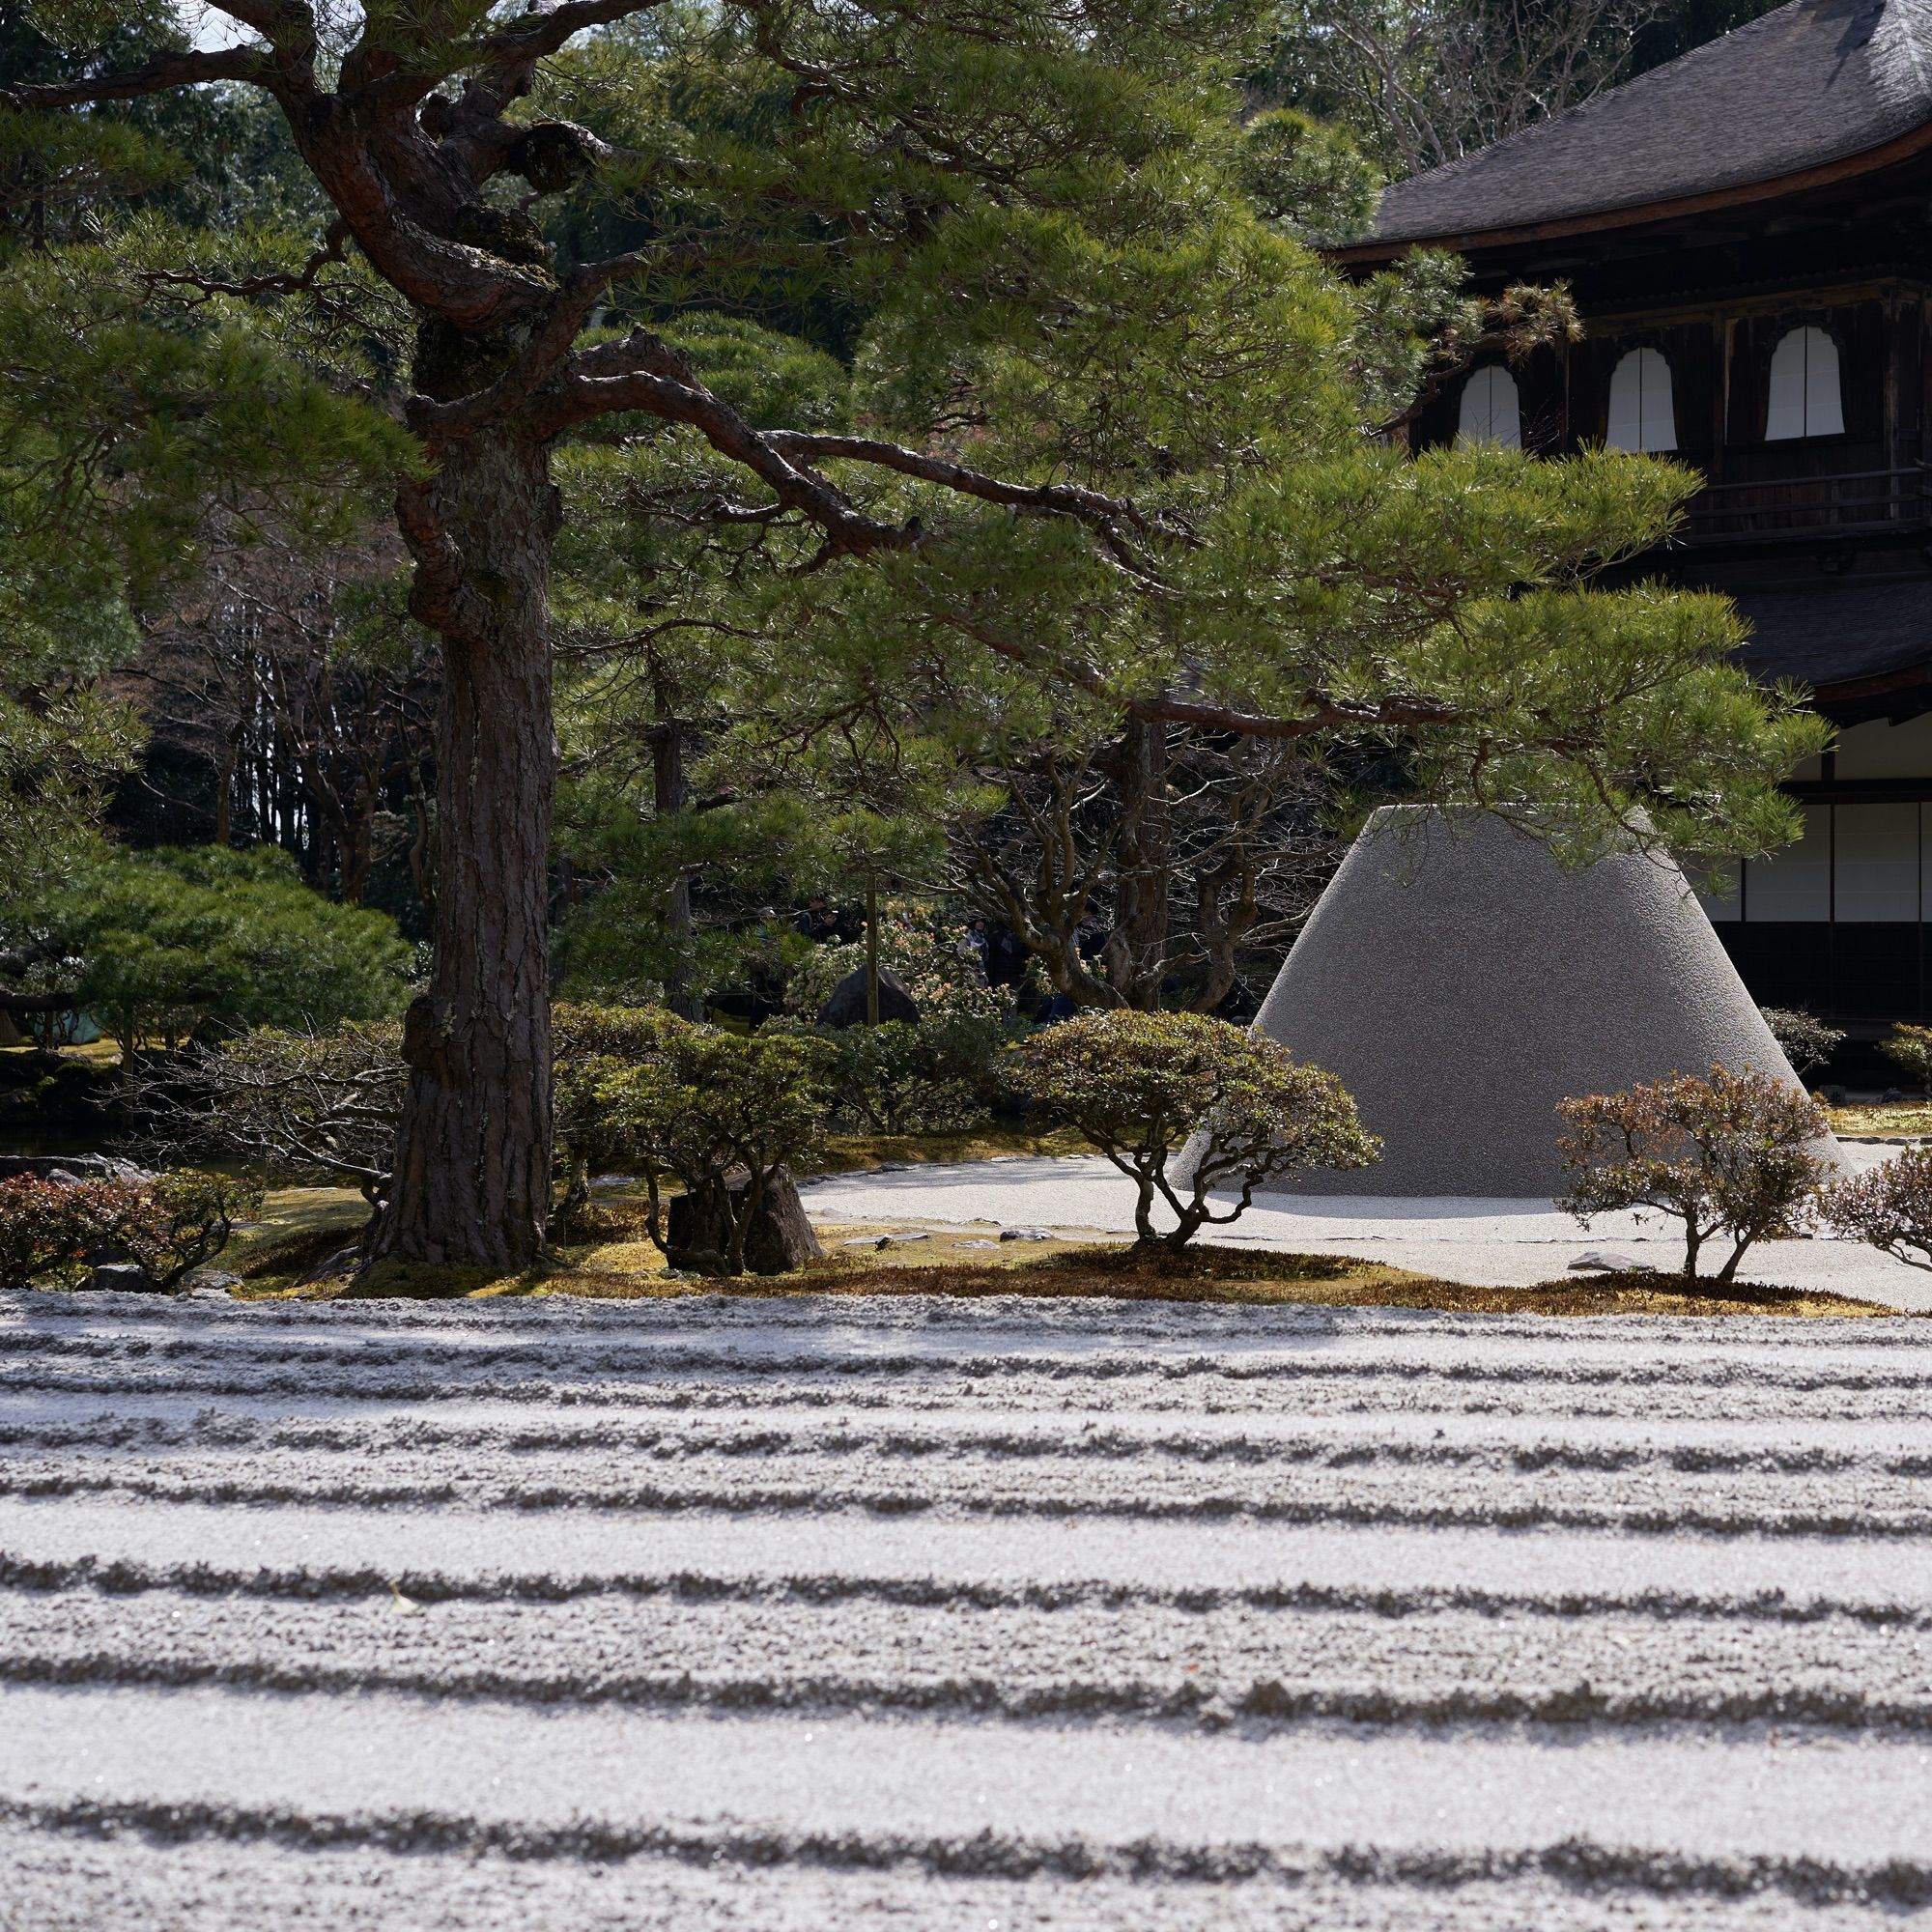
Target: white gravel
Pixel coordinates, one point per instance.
(1503, 1243)
(1001, 1615)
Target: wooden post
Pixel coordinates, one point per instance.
(871, 948)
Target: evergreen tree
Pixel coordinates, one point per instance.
(1108, 432)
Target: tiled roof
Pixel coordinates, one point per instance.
(1815, 82)
(1837, 632)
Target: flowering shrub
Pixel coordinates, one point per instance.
(1890, 1206)
(1734, 1155)
(166, 1225)
(1140, 1085)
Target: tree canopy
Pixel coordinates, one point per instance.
(949, 370)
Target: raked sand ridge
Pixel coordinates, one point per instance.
(784, 1615)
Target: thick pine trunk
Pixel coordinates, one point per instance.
(473, 1179)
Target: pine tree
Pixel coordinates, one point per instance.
(1108, 434)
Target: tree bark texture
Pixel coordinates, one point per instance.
(473, 1175)
(670, 794)
(1137, 949)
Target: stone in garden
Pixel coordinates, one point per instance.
(846, 1007)
(1024, 1235)
(127, 1277)
(1461, 982)
(1609, 1262)
(343, 1261)
(70, 1167)
(778, 1240)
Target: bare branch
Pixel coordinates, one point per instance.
(155, 76)
(1089, 506)
(646, 374)
(287, 23)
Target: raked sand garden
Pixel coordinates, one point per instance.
(828, 1610)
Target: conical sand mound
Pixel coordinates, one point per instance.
(1461, 982)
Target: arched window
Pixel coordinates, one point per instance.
(1641, 413)
(1804, 398)
(1491, 411)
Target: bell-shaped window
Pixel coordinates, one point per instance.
(1804, 398)
(1642, 415)
(1492, 408)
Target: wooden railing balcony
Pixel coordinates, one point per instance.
(1865, 500)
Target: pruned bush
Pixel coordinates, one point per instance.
(1911, 1046)
(166, 1225)
(1807, 1042)
(591, 1047)
(1890, 1206)
(718, 1112)
(1735, 1156)
(1140, 1086)
(49, 1227)
(932, 1076)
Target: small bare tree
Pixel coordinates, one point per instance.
(1427, 81)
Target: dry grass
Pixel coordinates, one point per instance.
(616, 1262)
(846, 1153)
(1883, 1116)
(1239, 1276)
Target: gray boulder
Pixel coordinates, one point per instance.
(70, 1167)
(127, 1277)
(846, 1007)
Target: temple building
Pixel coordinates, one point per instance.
(1747, 233)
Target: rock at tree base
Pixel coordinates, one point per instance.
(780, 1238)
(1461, 982)
(123, 1277)
(846, 1007)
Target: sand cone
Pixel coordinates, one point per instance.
(1461, 982)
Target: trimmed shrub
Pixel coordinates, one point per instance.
(1911, 1046)
(718, 1112)
(187, 1220)
(1890, 1206)
(930, 1077)
(1732, 1155)
(174, 942)
(1139, 1086)
(1807, 1042)
(166, 1225)
(591, 1047)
